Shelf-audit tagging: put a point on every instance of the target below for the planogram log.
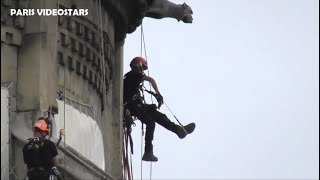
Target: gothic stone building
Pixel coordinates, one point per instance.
(71, 67)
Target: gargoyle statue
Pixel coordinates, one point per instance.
(165, 9)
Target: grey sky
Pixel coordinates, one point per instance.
(247, 73)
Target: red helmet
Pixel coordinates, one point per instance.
(42, 125)
(139, 62)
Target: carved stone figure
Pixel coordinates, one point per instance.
(158, 9)
(165, 9)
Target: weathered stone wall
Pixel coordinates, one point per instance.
(4, 133)
(46, 57)
(83, 133)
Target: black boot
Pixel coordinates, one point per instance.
(182, 132)
(190, 127)
(148, 154)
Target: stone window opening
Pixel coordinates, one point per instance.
(94, 63)
(84, 73)
(70, 63)
(89, 54)
(60, 58)
(78, 68)
(9, 37)
(63, 40)
(74, 45)
(78, 29)
(86, 33)
(81, 49)
(98, 64)
(95, 81)
(90, 77)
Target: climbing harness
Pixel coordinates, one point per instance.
(157, 96)
(32, 150)
(154, 94)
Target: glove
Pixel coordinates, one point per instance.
(159, 99)
(55, 171)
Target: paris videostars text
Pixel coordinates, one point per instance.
(49, 12)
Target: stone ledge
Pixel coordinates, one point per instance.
(80, 167)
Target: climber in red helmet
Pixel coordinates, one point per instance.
(148, 113)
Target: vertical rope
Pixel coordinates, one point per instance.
(102, 59)
(40, 50)
(145, 54)
(141, 39)
(102, 55)
(143, 47)
(64, 107)
(64, 89)
(64, 97)
(150, 170)
(131, 165)
(141, 169)
(141, 150)
(55, 59)
(148, 72)
(64, 114)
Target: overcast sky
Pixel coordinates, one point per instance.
(247, 73)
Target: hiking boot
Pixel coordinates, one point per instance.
(148, 156)
(148, 153)
(190, 127)
(181, 132)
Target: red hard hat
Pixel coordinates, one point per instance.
(140, 62)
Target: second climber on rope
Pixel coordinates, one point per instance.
(148, 113)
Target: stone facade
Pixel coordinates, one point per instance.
(77, 60)
(49, 57)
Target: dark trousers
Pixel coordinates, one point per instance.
(39, 174)
(149, 115)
